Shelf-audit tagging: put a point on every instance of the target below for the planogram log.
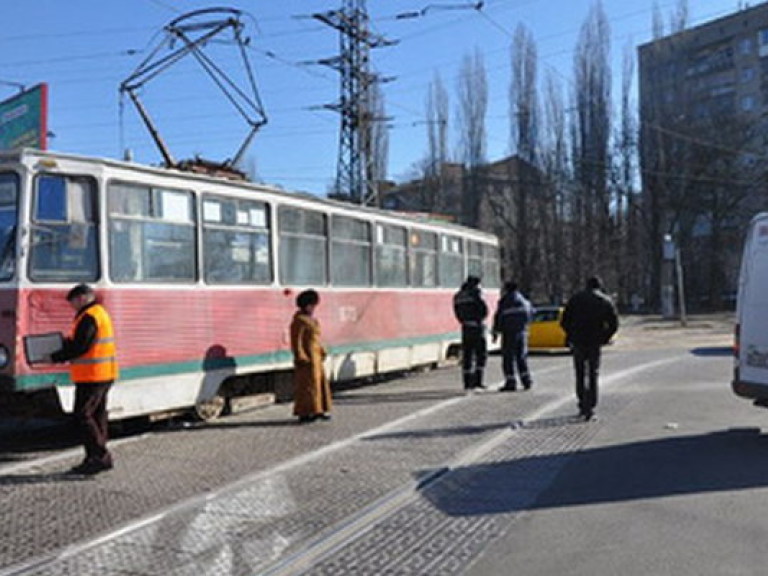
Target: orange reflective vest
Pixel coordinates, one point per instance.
(99, 364)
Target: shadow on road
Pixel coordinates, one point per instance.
(393, 397)
(55, 478)
(713, 351)
(735, 459)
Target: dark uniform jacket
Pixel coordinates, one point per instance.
(470, 308)
(590, 319)
(513, 314)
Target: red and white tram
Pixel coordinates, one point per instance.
(200, 276)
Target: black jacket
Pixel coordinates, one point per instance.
(469, 307)
(590, 319)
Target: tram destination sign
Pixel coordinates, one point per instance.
(24, 119)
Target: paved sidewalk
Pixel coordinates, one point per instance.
(256, 493)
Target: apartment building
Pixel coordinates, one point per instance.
(703, 140)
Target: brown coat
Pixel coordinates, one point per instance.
(312, 393)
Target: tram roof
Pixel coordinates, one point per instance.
(20, 156)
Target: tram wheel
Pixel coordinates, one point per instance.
(210, 409)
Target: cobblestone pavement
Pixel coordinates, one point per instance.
(400, 482)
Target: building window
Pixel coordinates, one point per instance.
(762, 42)
(745, 46)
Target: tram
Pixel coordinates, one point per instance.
(200, 275)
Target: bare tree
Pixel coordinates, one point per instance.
(678, 19)
(379, 136)
(437, 121)
(434, 198)
(657, 23)
(523, 95)
(524, 111)
(592, 96)
(556, 166)
(472, 89)
(627, 254)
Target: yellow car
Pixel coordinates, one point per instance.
(544, 331)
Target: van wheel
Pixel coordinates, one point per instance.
(207, 410)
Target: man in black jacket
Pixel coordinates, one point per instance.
(590, 321)
(471, 310)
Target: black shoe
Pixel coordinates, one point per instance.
(479, 386)
(588, 416)
(323, 416)
(306, 419)
(506, 388)
(80, 468)
(92, 467)
(527, 385)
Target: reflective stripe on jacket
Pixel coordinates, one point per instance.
(99, 363)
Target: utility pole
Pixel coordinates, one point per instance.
(355, 165)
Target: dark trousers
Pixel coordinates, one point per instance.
(91, 416)
(514, 350)
(474, 354)
(586, 362)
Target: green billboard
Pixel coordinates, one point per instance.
(24, 119)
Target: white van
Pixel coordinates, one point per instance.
(750, 374)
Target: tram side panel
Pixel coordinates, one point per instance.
(176, 346)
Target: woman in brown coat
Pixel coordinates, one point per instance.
(312, 393)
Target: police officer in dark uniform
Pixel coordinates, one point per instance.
(471, 311)
(513, 314)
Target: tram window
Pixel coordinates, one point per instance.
(236, 247)
(63, 244)
(9, 213)
(303, 246)
(350, 251)
(423, 259)
(151, 234)
(391, 256)
(451, 262)
(491, 266)
(474, 259)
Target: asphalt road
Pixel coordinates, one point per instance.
(414, 477)
(675, 481)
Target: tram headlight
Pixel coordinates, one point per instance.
(4, 356)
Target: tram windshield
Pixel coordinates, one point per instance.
(9, 194)
(63, 246)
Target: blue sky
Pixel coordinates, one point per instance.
(84, 49)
